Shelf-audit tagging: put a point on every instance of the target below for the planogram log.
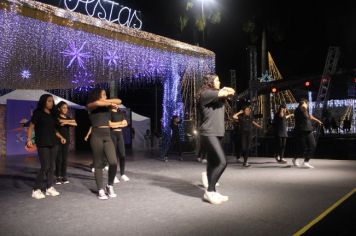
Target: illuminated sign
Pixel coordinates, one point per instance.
(107, 10)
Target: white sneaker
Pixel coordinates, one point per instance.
(116, 180)
(106, 168)
(204, 179)
(204, 161)
(307, 165)
(93, 170)
(102, 195)
(124, 178)
(52, 192)
(37, 194)
(222, 197)
(295, 162)
(110, 190)
(212, 198)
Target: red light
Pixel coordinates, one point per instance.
(355, 80)
(274, 90)
(307, 84)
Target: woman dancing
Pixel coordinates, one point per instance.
(101, 143)
(44, 122)
(280, 131)
(246, 123)
(64, 123)
(211, 106)
(117, 123)
(304, 133)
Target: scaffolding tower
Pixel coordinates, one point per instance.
(321, 102)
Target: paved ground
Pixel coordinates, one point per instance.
(165, 198)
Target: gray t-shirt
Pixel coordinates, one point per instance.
(212, 111)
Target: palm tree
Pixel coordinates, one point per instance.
(192, 14)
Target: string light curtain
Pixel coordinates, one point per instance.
(45, 47)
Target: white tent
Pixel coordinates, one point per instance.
(140, 124)
(34, 95)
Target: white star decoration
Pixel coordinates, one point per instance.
(112, 57)
(76, 54)
(83, 81)
(25, 74)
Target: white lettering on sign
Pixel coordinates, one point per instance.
(107, 10)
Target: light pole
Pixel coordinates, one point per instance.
(203, 19)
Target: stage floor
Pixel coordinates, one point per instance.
(164, 198)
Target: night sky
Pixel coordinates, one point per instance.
(298, 32)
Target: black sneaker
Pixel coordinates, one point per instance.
(246, 164)
(58, 180)
(65, 180)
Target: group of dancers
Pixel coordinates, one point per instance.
(51, 125)
(211, 100)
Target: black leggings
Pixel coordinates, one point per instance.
(281, 146)
(47, 157)
(61, 161)
(103, 148)
(245, 140)
(216, 159)
(119, 144)
(307, 142)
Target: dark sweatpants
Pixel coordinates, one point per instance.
(47, 157)
(308, 145)
(61, 160)
(281, 146)
(245, 141)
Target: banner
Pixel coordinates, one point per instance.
(18, 116)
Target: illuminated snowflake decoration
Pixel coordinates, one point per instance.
(83, 81)
(25, 74)
(266, 77)
(76, 54)
(112, 58)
